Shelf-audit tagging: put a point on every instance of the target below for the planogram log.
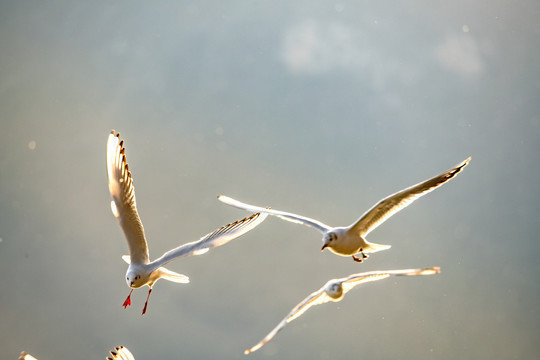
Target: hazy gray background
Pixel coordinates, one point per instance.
(315, 107)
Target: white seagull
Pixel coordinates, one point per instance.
(334, 290)
(141, 270)
(350, 240)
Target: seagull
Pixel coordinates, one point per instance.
(120, 353)
(334, 290)
(141, 270)
(350, 240)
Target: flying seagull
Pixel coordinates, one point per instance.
(334, 290)
(350, 240)
(141, 270)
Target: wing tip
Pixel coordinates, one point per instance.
(114, 133)
(253, 349)
(120, 353)
(456, 170)
(431, 271)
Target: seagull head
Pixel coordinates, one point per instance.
(134, 279)
(328, 239)
(334, 290)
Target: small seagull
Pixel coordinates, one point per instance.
(120, 353)
(350, 240)
(141, 271)
(334, 290)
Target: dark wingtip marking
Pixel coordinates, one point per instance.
(457, 169)
(464, 163)
(234, 224)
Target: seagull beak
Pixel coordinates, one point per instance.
(324, 247)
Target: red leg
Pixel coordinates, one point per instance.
(128, 300)
(146, 303)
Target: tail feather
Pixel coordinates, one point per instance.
(372, 247)
(172, 276)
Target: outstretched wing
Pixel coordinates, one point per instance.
(316, 298)
(281, 214)
(357, 279)
(320, 296)
(121, 353)
(123, 203)
(395, 202)
(216, 238)
(362, 278)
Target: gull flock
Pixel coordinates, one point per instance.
(344, 241)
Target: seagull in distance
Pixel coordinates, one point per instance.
(141, 270)
(350, 240)
(119, 353)
(334, 290)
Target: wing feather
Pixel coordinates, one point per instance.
(356, 279)
(123, 194)
(316, 298)
(121, 353)
(216, 238)
(317, 225)
(395, 202)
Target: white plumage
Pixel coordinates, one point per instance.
(334, 290)
(141, 270)
(350, 240)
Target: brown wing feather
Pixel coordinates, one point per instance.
(123, 194)
(395, 202)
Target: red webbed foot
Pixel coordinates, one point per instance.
(128, 300)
